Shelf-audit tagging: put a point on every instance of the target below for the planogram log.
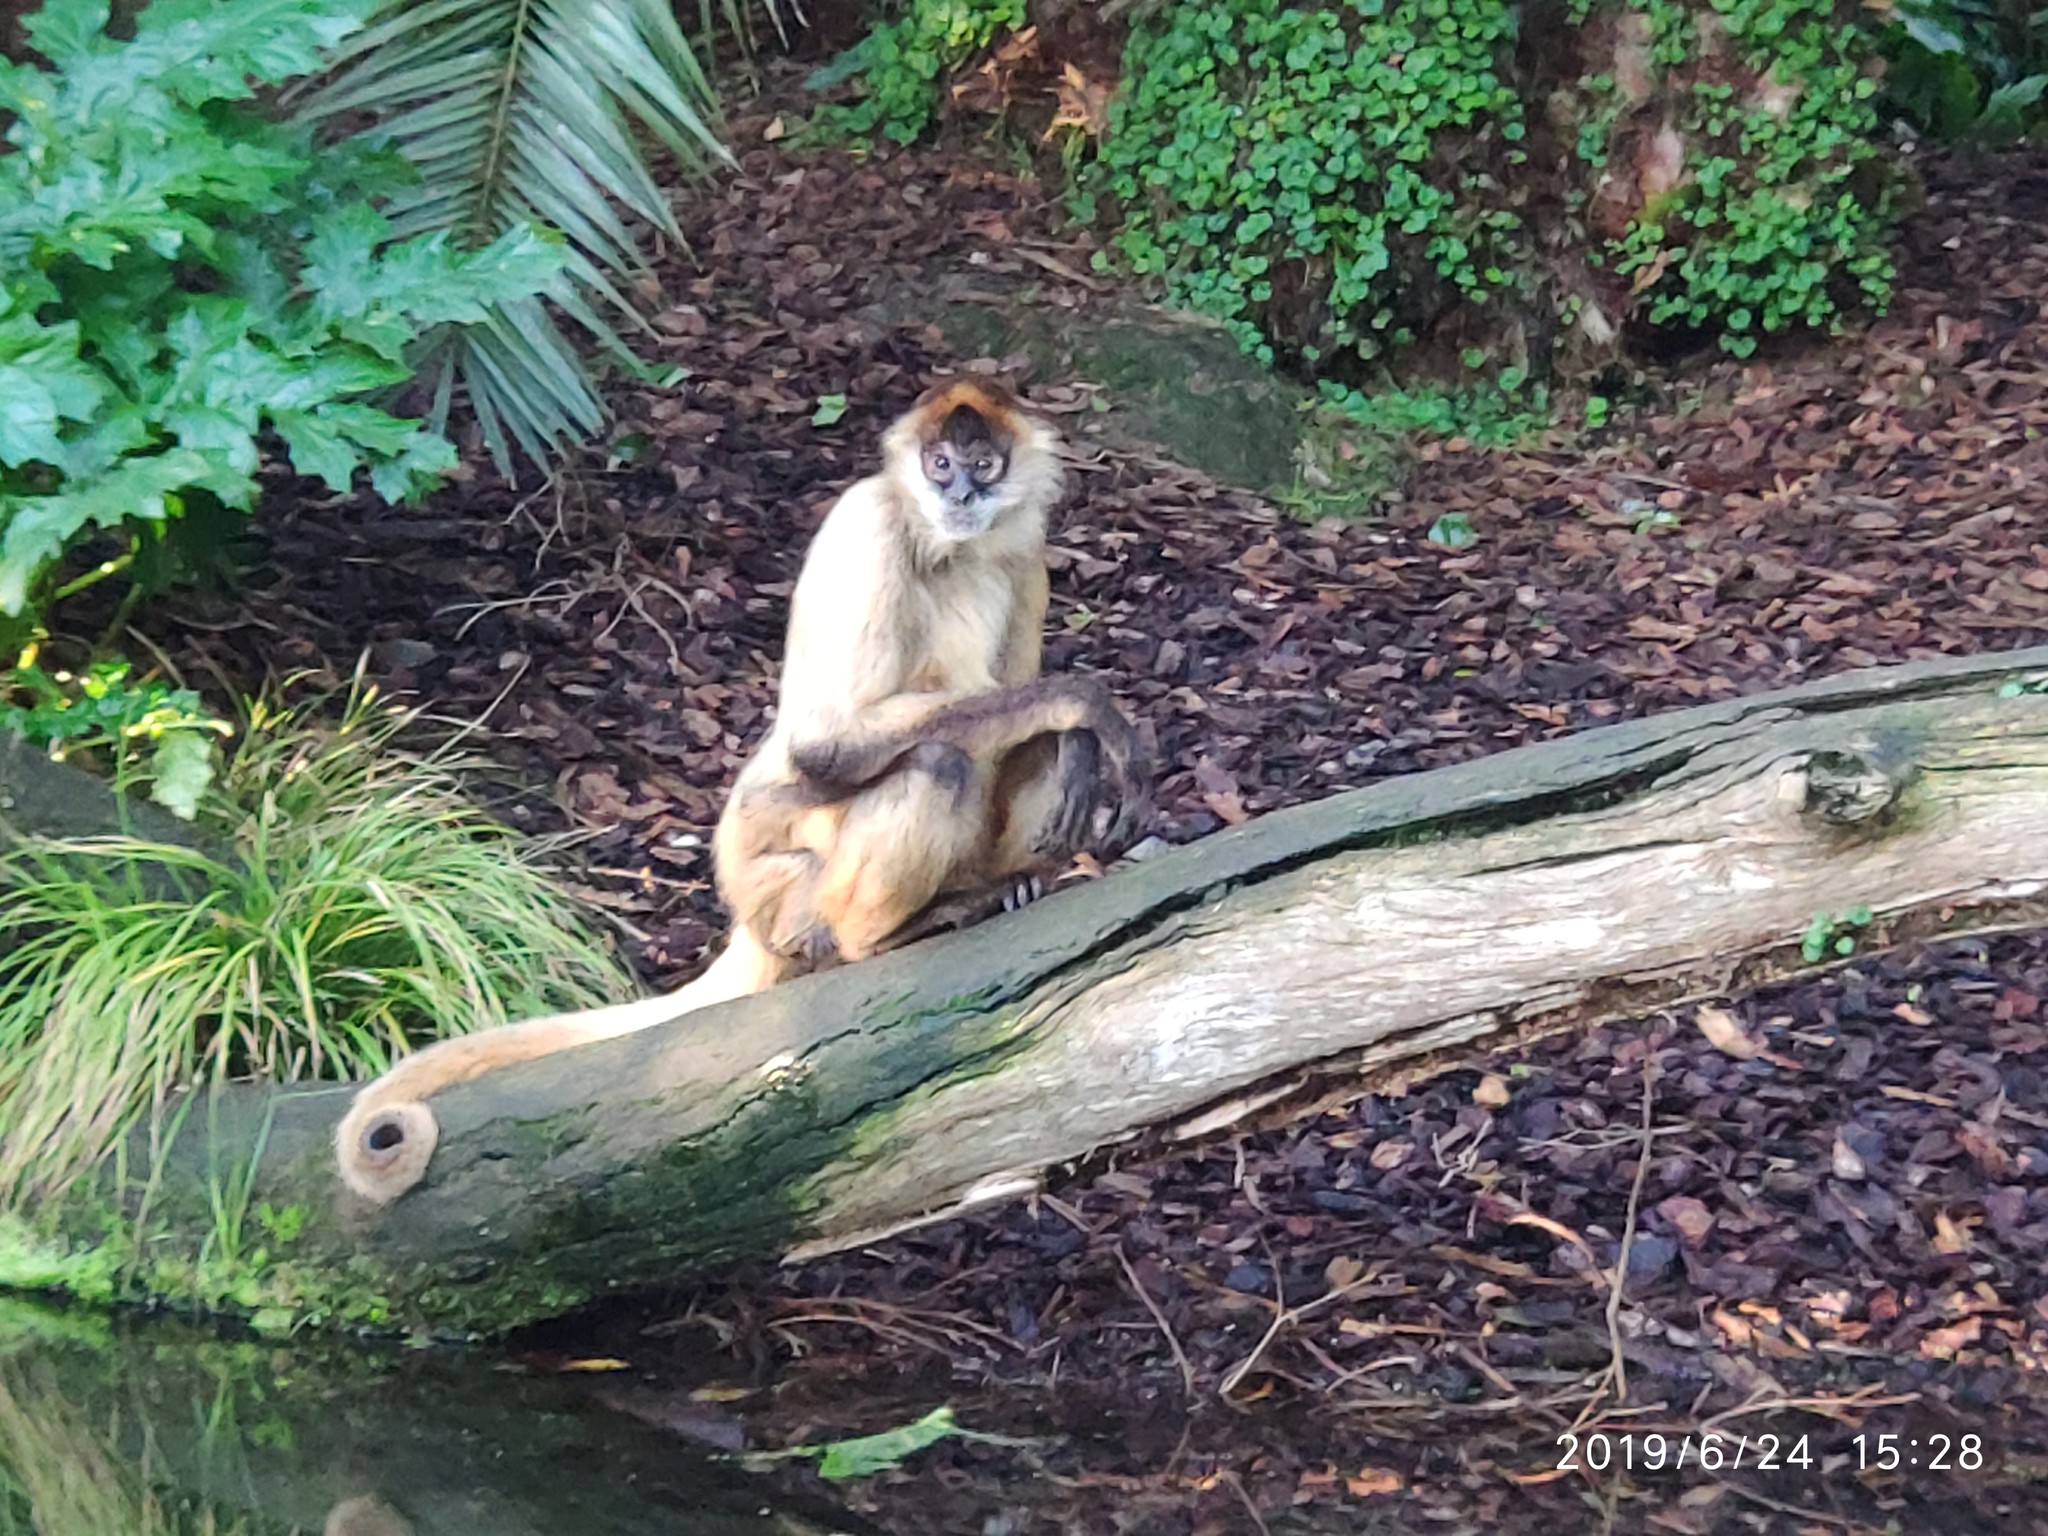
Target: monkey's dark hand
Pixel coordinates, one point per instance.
(1128, 811)
(840, 767)
(1078, 767)
(1124, 790)
(830, 769)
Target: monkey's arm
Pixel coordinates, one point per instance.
(982, 725)
(1024, 645)
(846, 650)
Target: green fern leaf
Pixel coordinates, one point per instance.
(521, 115)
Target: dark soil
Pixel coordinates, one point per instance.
(1383, 1317)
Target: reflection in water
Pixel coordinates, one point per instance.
(366, 1516)
(105, 1432)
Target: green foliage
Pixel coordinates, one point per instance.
(515, 113)
(865, 1455)
(901, 62)
(143, 733)
(1452, 531)
(1487, 416)
(1360, 444)
(869, 1454)
(344, 900)
(1781, 218)
(1967, 70)
(1320, 173)
(1829, 933)
(179, 277)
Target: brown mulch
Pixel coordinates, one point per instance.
(1863, 1206)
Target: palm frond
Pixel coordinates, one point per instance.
(738, 19)
(520, 112)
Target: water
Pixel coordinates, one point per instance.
(161, 1430)
(106, 1431)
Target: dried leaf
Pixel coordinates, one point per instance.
(1725, 1033)
(1374, 1480)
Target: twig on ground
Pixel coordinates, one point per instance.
(1616, 1366)
(1187, 1370)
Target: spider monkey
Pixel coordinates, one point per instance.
(919, 773)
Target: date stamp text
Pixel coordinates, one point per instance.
(1709, 1451)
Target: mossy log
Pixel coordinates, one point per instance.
(1587, 878)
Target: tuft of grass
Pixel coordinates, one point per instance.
(344, 900)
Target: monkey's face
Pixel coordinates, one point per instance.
(966, 471)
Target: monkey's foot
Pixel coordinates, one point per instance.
(818, 949)
(1021, 892)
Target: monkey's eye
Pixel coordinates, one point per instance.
(983, 466)
(940, 463)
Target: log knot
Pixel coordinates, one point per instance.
(1860, 787)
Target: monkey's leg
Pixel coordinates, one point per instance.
(1037, 819)
(902, 842)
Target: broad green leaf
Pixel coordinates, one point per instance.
(64, 31)
(840, 69)
(208, 51)
(1929, 30)
(181, 769)
(340, 266)
(415, 471)
(2006, 109)
(377, 431)
(43, 386)
(869, 1454)
(230, 435)
(390, 336)
(28, 420)
(335, 375)
(317, 449)
(35, 529)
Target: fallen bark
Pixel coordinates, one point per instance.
(1582, 879)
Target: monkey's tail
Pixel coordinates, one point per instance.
(386, 1139)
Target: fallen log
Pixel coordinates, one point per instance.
(1583, 879)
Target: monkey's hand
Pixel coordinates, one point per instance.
(842, 766)
(1077, 768)
(1097, 772)
(1122, 783)
(836, 767)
